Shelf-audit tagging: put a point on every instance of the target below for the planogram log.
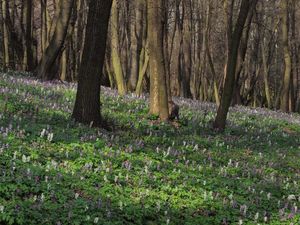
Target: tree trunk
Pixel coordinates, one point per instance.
(136, 44)
(186, 49)
(44, 25)
(115, 56)
(235, 39)
(87, 104)
(6, 57)
(284, 103)
(28, 54)
(158, 86)
(46, 69)
(266, 75)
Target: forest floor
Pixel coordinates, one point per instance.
(54, 171)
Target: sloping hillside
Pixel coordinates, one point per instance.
(54, 171)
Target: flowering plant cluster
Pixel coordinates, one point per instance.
(54, 171)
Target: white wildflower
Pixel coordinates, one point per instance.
(43, 133)
(291, 197)
(42, 197)
(168, 220)
(1, 208)
(105, 178)
(15, 155)
(230, 162)
(121, 205)
(96, 220)
(50, 137)
(256, 216)
(24, 159)
(158, 206)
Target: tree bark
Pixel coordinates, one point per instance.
(6, 57)
(27, 26)
(115, 56)
(87, 104)
(158, 86)
(284, 103)
(136, 44)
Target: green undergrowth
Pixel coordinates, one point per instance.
(54, 171)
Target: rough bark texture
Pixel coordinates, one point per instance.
(158, 86)
(87, 104)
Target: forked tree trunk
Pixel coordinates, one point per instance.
(235, 39)
(45, 69)
(87, 104)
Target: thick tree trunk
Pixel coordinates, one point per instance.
(158, 86)
(46, 68)
(87, 104)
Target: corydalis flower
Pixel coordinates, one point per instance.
(43, 133)
(291, 197)
(256, 216)
(25, 159)
(50, 137)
